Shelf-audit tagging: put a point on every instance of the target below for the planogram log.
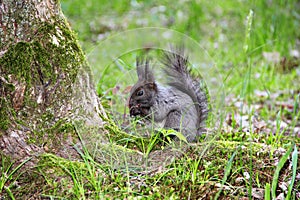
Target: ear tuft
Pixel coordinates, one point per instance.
(143, 69)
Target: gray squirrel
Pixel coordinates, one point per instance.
(182, 105)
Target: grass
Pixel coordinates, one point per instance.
(253, 154)
(9, 175)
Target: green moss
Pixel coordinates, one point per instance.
(4, 122)
(48, 65)
(63, 127)
(36, 61)
(17, 61)
(53, 136)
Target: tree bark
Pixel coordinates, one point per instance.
(40, 65)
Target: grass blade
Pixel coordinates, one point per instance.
(294, 164)
(9, 193)
(5, 176)
(226, 174)
(267, 192)
(248, 30)
(277, 171)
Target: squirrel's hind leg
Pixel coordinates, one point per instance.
(173, 120)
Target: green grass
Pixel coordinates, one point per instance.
(9, 175)
(240, 159)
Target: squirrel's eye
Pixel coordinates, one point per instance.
(140, 93)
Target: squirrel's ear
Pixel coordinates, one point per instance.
(139, 69)
(148, 72)
(143, 70)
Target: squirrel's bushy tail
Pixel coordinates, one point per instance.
(180, 77)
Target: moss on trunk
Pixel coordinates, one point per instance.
(40, 73)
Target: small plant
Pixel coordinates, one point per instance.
(279, 167)
(7, 179)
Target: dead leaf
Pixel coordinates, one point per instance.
(127, 89)
(288, 105)
(287, 65)
(258, 193)
(116, 89)
(259, 125)
(295, 53)
(272, 57)
(260, 93)
(280, 197)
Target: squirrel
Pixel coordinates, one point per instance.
(182, 105)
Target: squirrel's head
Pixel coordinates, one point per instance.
(142, 94)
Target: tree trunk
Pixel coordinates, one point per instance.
(46, 90)
(41, 64)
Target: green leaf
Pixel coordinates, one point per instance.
(278, 168)
(179, 135)
(294, 164)
(226, 174)
(267, 192)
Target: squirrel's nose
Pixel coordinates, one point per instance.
(130, 103)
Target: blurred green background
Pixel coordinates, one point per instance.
(252, 52)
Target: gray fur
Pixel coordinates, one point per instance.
(182, 105)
